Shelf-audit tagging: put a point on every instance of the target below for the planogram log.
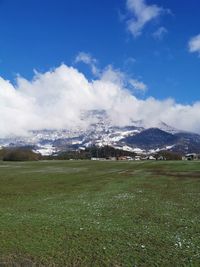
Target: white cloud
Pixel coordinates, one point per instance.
(160, 33)
(129, 61)
(194, 44)
(89, 60)
(56, 100)
(138, 85)
(141, 13)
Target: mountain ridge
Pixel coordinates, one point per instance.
(100, 132)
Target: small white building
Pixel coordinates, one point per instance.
(161, 158)
(190, 156)
(112, 158)
(94, 158)
(151, 158)
(137, 158)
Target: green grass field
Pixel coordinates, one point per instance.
(84, 213)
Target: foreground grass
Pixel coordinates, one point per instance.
(83, 213)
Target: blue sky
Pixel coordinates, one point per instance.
(134, 59)
(42, 34)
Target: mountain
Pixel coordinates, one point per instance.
(101, 132)
(152, 138)
(166, 128)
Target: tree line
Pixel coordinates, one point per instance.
(27, 154)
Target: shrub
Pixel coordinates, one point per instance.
(19, 154)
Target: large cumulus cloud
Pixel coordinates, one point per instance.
(58, 98)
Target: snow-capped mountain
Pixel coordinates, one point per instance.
(167, 128)
(134, 137)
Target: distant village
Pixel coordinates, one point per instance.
(192, 156)
(94, 153)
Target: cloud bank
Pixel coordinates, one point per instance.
(57, 99)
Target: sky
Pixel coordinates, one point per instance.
(136, 59)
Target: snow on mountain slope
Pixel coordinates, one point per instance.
(101, 132)
(164, 127)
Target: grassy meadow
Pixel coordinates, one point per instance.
(86, 213)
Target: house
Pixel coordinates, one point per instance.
(149, 158)
(161, 158)
(94, 158)
(129, 158)
(102, 159)
(122, 158)
(112, 158)
(137, 158)
(191, 156)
